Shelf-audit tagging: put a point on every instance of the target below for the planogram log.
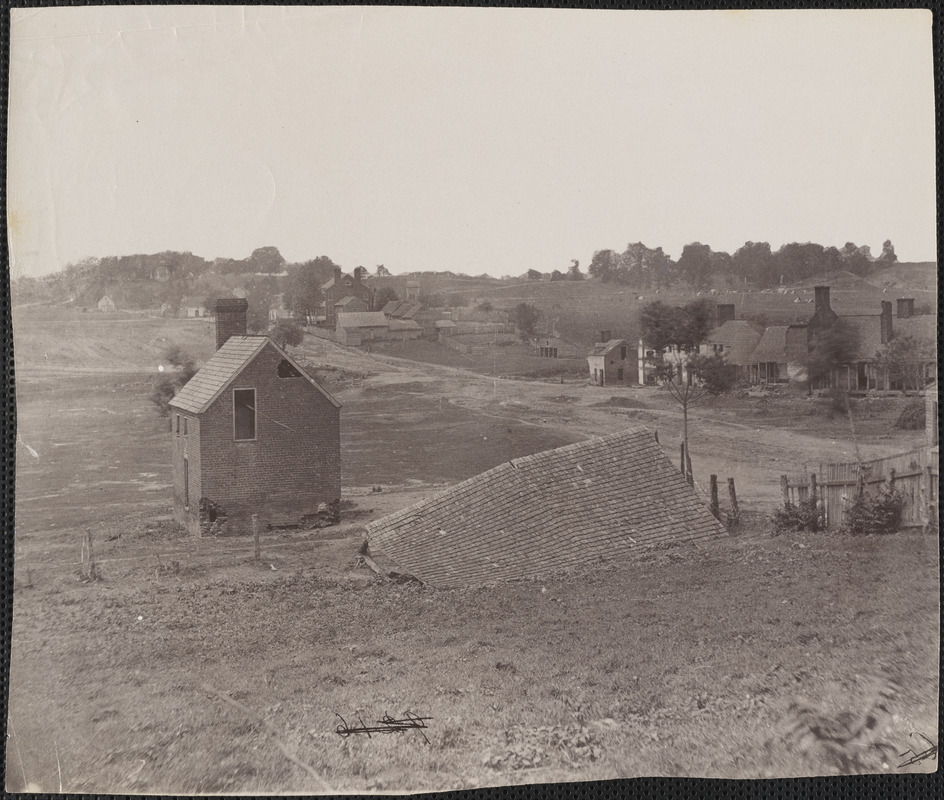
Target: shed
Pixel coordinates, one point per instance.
(106, 304)
(603, 499)
(253, 433)
(192, 307)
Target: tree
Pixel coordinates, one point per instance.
(526, 318)
(557, 275)
(573, 272)
(836, 346)
(695, 264)
(485, 307)
(303, 286)
(168, 383)
(754, 262)
(383, 296)
(603, 266)
(286, 333)
(266, 259)
(674, 334)
(360, 272)
(261, 294)
(533, 275)
(905, 359)
(382, 271)
(888, 253)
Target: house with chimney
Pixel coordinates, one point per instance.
(253, 435)
(338, 289)
(611, 362)
(874, 332)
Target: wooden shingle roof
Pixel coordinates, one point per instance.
(602, 348)
(739, 337)
(597, 499)
(223, 367)
(362, 319)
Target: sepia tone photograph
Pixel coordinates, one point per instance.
(420, 399)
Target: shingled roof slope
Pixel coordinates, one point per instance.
(739, 338)
(223, 367)
(362, 319)
(602, 348)
(597, 499)
(772, 346)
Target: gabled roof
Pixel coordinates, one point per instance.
(602, 348)
(362, 319)
(391, 306)
(869, 328)
(739, 337)
(575, 505)
(921, 326)
(224, 366)
(444, 323)
(408, 309)
(346, 301)
(772, 346)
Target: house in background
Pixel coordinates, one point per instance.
(555, 347)
(780, 356)
(735, 340)
(106, 304)
(339, 287)
(611, 363)
(360, 327)
(253, 434)
(192, 308)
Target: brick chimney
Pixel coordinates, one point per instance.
(886, 322)
(821, 302)
(230, 318)
(605, 336)
(905, 307)
(725, 312)
(337, 274)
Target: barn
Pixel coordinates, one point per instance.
(253, 434)
(599, 500)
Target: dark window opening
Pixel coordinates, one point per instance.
(623, 353)
(186, 483)
(286, 370)
(244, 414)
(178, 425)
(185, 426)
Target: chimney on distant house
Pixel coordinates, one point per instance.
(886, 321)
(905, 307)
(725, 313)
(605, 336)
(337, 274)
(230, 318)
(821, 302)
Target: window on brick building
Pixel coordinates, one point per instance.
(185, 426)
(623, 353)
(178, 425)
(244, 414)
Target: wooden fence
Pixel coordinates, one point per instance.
(914, 474)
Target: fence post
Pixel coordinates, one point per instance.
(255, 535)
(735, 515)
(785, 489)
(682, 458)
(891, 478)
(714, 496)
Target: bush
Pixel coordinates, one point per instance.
(286, 333)
(868, 514)
(804, 516)
(912, 416)
(168, 384)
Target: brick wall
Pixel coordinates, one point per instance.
(186, 447)
(287, 472)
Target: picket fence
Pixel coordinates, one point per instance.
(914, 474)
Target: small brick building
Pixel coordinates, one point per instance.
(612, 363)
(253, 434)
(340, 287)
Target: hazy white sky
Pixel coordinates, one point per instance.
(476, 140)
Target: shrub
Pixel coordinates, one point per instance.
(911, 417)
(803, 516)
(169, 383)
(867, 514)
(286, 333)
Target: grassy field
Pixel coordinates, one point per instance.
(690, 661)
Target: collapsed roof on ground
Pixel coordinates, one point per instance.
(600, 499)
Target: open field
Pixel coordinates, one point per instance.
(684, 662)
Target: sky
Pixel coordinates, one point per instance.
(474, 140)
